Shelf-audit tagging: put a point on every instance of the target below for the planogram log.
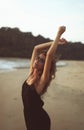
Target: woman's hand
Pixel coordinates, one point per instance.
(62, 41)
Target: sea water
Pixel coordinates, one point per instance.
(11, 64)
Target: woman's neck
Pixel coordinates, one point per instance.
(34, 77)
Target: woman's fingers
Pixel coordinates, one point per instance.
(63, 41)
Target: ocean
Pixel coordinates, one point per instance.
(11, 64)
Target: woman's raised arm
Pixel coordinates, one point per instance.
(52, 45)
(51, 52)
(38, 49)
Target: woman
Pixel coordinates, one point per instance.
(42, 71)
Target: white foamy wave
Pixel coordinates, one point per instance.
(11, 64)
(61, 63)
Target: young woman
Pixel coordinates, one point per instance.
(42, 71)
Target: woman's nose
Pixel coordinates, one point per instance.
(36, 61)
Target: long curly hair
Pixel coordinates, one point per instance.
(53, 70)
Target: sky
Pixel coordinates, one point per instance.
(44, 17)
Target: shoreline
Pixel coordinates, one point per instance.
(13, 64)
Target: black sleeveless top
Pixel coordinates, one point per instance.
(31, 99)
(36, 118)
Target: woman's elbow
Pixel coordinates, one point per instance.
(35, 47)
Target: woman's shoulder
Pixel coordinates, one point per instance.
(26, 84)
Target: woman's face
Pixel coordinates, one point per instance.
(39, 62)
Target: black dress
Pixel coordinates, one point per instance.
(35, 116)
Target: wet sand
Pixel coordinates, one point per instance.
(64, 100)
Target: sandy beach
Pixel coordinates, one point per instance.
(64, 100)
